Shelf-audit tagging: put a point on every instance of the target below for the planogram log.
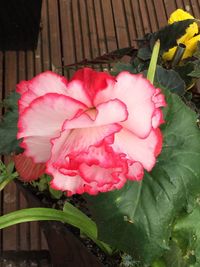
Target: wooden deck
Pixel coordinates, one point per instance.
(72, 30)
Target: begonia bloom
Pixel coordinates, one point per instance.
(93, 132)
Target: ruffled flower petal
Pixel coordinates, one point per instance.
(43, 120)
(72, 143)
(37, 147)
(137, 149)
(72, 184)
(137, 94)
(93, 81)
(46, 82)
(103, 114)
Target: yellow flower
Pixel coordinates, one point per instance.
(188, 39)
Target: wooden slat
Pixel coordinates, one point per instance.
(33, 226)
(100, 31)
(160, 12)
(10, 192)
(131, 27)
(137, 18)
(54, 32)
(23, 229)
(145, 17)
(93, 29)
(152, 15)
(120, 23)
(44, 35)
(108, 24)
(170, 6)
(67, 40)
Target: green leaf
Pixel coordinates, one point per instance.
(174, 257)
(11, 102)
(7, 174)
(8, 133)
(138, 218)
(197, 53)
(169, 80)
(187, 234)
(196, 72)
(174, 31)
(144, 53)
(57, 194)
(70, 215)
(184, 71)
(8, 127)
(139, 65)
(118, 67)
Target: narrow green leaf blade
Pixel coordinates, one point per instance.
(69, 215)
(153, 62)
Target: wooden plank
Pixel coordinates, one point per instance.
(120, 23)
(160, 12)
(180, 4)
(84, 26)
(152, 15)
(67, 32)
(77, 34)
(137, 18)
(54, 33)
(10, 192)
(44, 35)
(196, 8)
(145, 17)
(131, 27)
(93, 30)
(22, 238)
(108, 25)
(170, 6)
(101, 28)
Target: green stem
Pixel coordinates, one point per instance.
(178, 54)
(8, 180)
(153, 62)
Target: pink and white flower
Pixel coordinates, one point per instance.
(93, 132)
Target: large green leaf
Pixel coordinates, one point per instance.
(170, 80)
(8, 133)
(8, 126)
(138, 218)
(186, 232)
